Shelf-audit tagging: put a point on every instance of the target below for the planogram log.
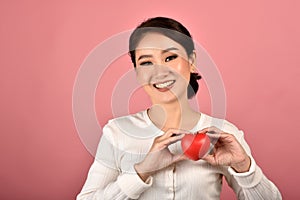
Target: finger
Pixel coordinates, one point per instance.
(221, 136)
(213, 135)
(205, 130)
(220, 139)
(169, 133)
(210, 159)
(164, 142)
(176, 134)
(173, 139)
(173, 132)
(211, 129)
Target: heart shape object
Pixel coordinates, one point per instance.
(195, 146)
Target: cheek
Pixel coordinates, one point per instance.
(147, 89)
(183, 69)
(144, 83)
(143, 75)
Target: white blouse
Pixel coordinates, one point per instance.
(126, 141)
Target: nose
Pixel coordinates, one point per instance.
(160, 72)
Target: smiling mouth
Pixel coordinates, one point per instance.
(163, 85)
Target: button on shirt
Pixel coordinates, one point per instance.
(127, 140)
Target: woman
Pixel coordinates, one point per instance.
(139, 155)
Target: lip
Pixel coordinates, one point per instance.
(165, 88)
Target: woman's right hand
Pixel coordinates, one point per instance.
(159, 156)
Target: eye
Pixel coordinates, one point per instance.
(169, 58)
(146, 63)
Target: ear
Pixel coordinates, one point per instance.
(192, 61)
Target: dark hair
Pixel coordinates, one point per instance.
(173, 30)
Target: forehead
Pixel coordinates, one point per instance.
(157, 41)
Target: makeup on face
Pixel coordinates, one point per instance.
(162, 66)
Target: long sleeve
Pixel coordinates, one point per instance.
(252, 184)
(112, 174)
(105, 180)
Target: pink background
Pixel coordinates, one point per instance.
(42, 45)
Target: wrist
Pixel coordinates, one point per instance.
(143, 175)
(242, 166)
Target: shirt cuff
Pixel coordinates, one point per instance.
(250, 178)
(132, 185)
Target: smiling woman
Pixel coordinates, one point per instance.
(163, 68)
(151, 165)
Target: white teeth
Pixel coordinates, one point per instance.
(164, 85)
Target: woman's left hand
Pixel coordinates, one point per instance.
(227, 151)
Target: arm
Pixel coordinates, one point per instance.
(106, 183)
(243, 175)
(253, 183)
(105, 180)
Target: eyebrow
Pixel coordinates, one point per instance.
(163, 51)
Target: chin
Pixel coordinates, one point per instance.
(166, 98)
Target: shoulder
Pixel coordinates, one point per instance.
(136, 119)
(133, 125)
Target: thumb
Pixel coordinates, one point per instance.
(180, 157)
(205, 130)
(210, 159)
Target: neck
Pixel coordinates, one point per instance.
(175, 115)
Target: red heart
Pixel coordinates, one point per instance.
(195, 146)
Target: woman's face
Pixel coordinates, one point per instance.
(163, 68)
